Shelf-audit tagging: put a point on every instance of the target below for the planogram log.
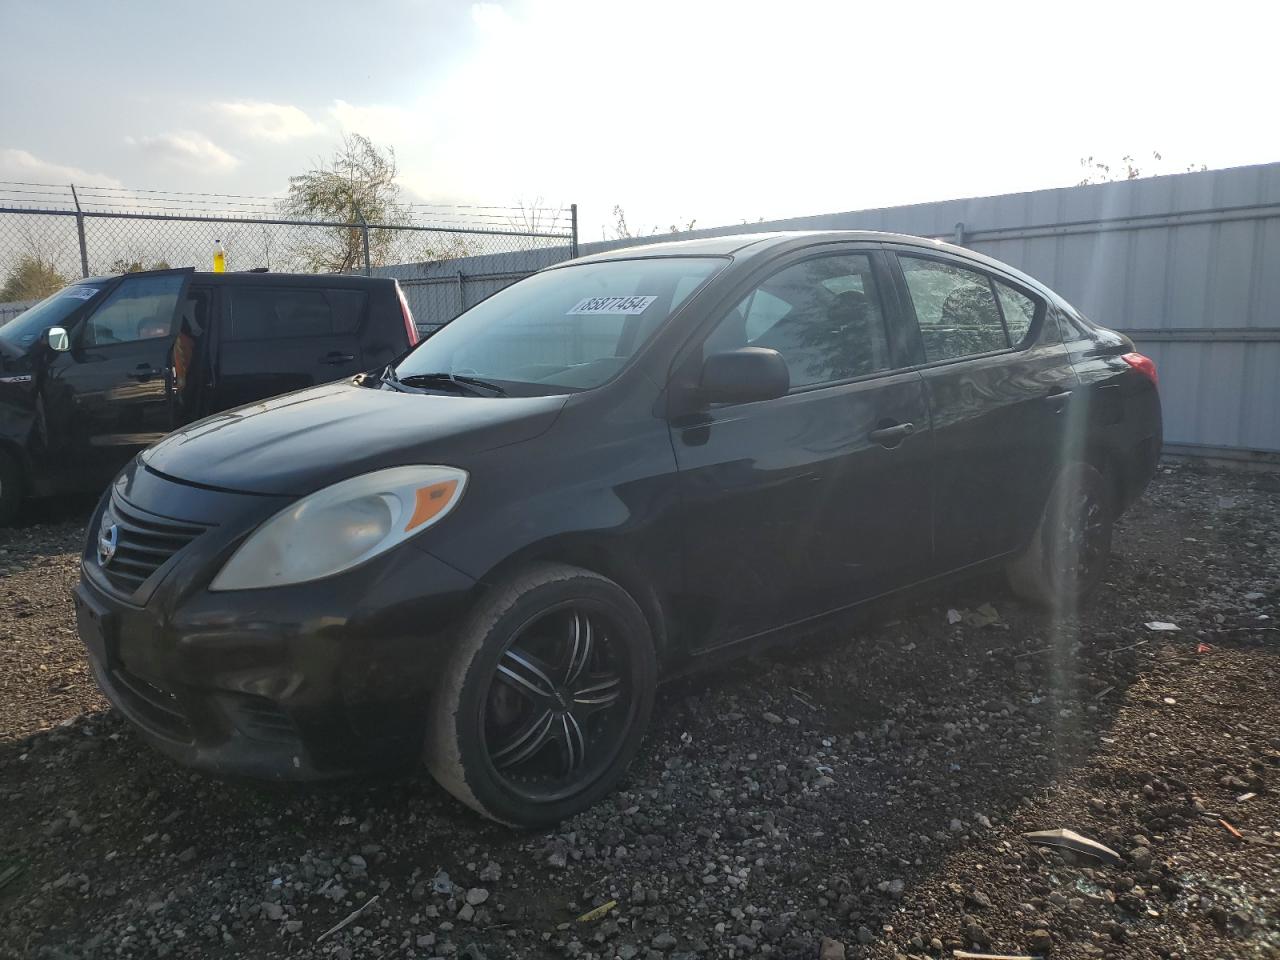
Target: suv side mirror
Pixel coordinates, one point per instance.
(58, 339)
(744, 375)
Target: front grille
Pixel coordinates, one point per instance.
(144, 542)
(157, 710)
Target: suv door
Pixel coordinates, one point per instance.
(110, 395)
(274, 339)
(1000, 384)
(819, 499)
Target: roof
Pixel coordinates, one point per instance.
(763, 242)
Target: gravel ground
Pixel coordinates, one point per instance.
(870, 788)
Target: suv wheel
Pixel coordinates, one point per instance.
(545, 699)
(11, 488)
(1067, 556)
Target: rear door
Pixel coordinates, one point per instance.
(275, 338)
(112, 394)
(811, 502)
(1000, 388)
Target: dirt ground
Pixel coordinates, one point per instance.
(872, 788)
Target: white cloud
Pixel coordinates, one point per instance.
(25, 166)
(384, 124)
(187, 150)
(277, 122)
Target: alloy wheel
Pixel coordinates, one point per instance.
(559, 703)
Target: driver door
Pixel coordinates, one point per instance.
(814, 501)
(111, 394)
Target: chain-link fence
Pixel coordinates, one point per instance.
(52, 234)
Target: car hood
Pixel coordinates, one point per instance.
(297, 443)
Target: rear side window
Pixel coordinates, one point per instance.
(266, 313)
(955, 307)
(1019, 311)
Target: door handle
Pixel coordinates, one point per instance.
(334, 358)
(893, 434)
(143, 372)
(1058, 399)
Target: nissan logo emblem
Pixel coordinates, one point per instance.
(108, 539)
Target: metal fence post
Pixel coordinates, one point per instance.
(462, 293)
(573, 243)
(364, 236)
(84, 250)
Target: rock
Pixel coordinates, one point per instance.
(441, 884)
(1141, 857)
(663, 941)
(976, 933)
(187, 855)
(771, 717)
(467, 913)
(477, 896)
(492, 873)
(893, 888)
(978, 900)
(358, 861)
(830, 949)
(292, 926)
(272, 911)
(865, 935)
(1040, 941)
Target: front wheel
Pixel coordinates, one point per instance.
(1067, 556)
(545, 699)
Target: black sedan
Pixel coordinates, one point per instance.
(488, 554)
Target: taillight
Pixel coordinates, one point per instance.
(410, 328)
(1144, 365)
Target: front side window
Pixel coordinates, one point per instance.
(823, 315)
(570, 328)
(139, 308)
(955, 308)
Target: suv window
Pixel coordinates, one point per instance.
(139, 308)
(1019, 311)
(955, 308)
(265, 313)
(823, 315)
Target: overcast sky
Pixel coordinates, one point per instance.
(675, 110)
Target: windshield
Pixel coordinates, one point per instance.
(567, 329)
(27, 327)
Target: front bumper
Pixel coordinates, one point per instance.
(302, 682)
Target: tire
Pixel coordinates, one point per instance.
(1067, 556)
(525, 727)
(12, 488)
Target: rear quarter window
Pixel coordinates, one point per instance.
(267, 313)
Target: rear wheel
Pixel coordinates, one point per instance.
(546, 698)
(12, 488)
(1067, 556)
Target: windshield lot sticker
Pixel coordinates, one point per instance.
(81, 293)
(625, 305)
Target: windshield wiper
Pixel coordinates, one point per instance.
(465, 384)
(390, 379)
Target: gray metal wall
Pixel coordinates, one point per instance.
(1187, 265)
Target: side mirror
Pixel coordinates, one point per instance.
(744, 375)
(58, 339)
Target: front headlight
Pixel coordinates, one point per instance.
(336, 528)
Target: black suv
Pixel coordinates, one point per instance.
(603, 474)
(103, 368)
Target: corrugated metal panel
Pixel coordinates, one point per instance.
(1187, 262)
